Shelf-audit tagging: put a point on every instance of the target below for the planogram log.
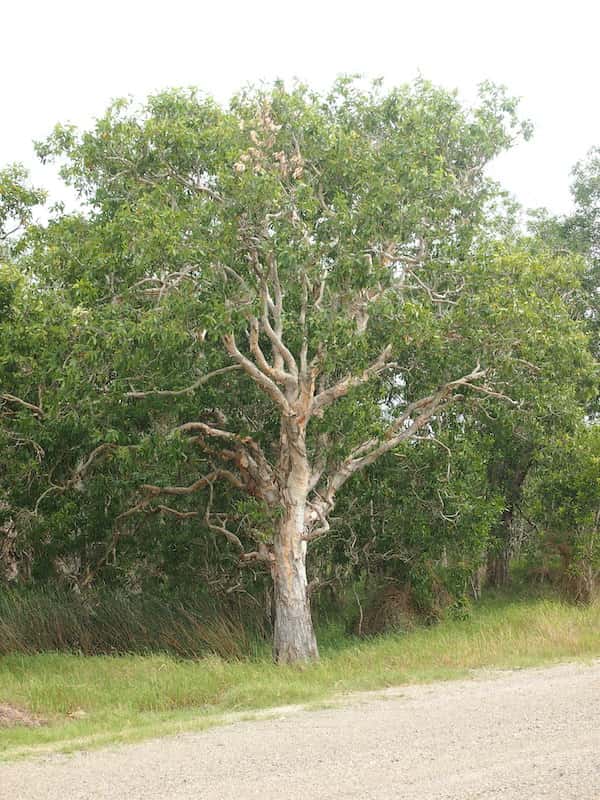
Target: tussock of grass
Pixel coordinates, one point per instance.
(92, 700)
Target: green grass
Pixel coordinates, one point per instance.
(92, 700)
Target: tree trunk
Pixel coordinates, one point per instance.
(498, 569)
(499, 557)
(498, 565)
(293, 635)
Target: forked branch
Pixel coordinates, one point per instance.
(267, 384)
(414, 417)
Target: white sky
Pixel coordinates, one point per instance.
(63, 60)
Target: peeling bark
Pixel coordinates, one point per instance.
(293, 636)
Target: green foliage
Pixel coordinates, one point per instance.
(137, 292)
(565, 501)
(583, 228)
(17, 199)
(421, 517)
(579, 233)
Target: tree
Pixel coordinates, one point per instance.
(275, 283)
(579, 233)
(565, 502)
(561, 379)
(583, 227)
(17, 199)
(420, 518)
(446, 503)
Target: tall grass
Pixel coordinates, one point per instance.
(116, 623)
(89, 700)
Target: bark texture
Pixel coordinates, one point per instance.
(293, 636)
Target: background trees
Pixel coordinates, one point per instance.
(17, 200)
(565, 501)
(579, 233)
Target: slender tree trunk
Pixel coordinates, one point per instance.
(499, 558)
(293, 636)
(498, 566)
(498, 569)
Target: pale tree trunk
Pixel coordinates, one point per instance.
(293, 636)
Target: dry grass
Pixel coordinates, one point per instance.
(114, 623)
(11, 717)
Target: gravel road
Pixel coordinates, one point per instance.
(523, 735)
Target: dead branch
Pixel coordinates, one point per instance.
(78, 474)
(21, 441)
(219, 527)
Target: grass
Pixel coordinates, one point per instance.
(93, 700)
(105, 622)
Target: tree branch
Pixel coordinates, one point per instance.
(229, 535)
(175, 512)
(325, 398)
(188, 389)
(201, 483)
(264, 381)
(248, 457)
(276, 334)
(78, 473)
(403, 428)
(11, 398)
(275, 373)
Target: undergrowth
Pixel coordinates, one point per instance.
(104, 622)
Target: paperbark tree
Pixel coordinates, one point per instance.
(298, 259)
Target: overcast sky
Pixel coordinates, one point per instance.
(64, 60)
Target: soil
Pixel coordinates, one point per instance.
(11, 716)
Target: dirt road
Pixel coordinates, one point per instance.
(527, 734)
